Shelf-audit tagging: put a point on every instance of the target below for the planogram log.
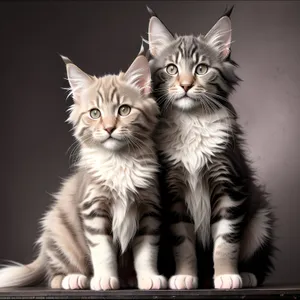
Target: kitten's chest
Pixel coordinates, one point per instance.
(120, 174)
(193, 140)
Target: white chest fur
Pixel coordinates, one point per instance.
(123, 176)
(193, 140)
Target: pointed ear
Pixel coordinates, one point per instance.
(139, 75)
(220, 36)
(76, 77)
(159, 36)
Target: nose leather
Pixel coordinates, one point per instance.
(110, 129)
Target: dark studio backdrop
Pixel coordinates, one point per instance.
(104, 37)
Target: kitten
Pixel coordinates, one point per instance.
(110, 205)
(208, 185)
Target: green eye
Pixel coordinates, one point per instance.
(172, 69)
(201, 69)
(124, 110)
(95, 113)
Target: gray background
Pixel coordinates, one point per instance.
(104, 37)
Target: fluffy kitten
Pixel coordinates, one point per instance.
(208, 185)
(110, 205)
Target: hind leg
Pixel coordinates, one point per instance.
(257, 249)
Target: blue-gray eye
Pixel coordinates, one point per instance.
(201, 69)
(95, 113)
(124, 110)
(172, 69)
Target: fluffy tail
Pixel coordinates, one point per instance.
(23, 275)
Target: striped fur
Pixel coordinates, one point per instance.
(109, 206)
(209, 189)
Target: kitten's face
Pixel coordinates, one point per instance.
(191, 71)
(112, 113)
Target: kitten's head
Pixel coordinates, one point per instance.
(192, 71)
(113, 111)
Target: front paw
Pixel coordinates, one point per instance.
(152, 282)
(228, 281)
(183, 282)
(102, 283)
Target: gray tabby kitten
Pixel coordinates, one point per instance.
(110, 205)
(207, 184)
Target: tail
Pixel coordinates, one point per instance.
(23, 275)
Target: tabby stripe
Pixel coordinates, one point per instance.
(151, 214)
(218, 87)
(178, 240)
(232, 238)
(87, 195)
(141, 127)
(146, 230)
(90, 243)
(114, 91)
(197, 57)
(175, 200)
(68, 226)
(154, 205)
(79, 118)
(95, 231)
(144, 114)
(88, 203)
(177, 57)
(101, 97)
(221, 74)
(82, 131)
(181, 49)
(178, 217)
(192, 50)
(56, 252)
(96, 213)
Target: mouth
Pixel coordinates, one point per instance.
(186, 102)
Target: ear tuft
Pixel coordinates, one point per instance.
(151, 12)
(228, 11)
(139, 75)
(142, 49)
(65, 59)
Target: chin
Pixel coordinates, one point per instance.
(113, 144)
(186, 103)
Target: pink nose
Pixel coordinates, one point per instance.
(110, 129)
(186, 87)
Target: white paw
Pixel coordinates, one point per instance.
(228, 281)
(152, 282)
(183, 282)
(249, 280)
(104, 283)
(75, 282)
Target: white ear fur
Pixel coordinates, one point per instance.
(220, 36)
(139, 75)
(76, 77)
(159, 36)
